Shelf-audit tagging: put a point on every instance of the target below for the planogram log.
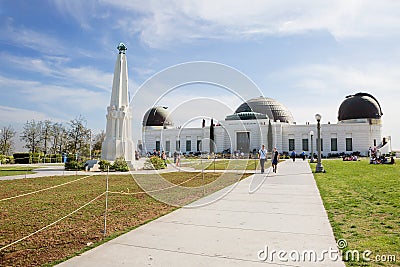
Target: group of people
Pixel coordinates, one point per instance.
(375, 157)
(262, 155)
(382, 160)
(350, 158)
(160, 154)
(293, 155)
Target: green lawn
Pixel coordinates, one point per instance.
(363, 204)
(128, 207)
(225, 164)
(15, 170)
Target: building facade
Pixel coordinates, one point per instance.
(264, 120)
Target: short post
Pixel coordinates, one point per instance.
(312, 147)
(105, 212)
(319, 167)
(214, 163)
(202, 175)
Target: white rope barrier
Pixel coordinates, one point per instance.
(45, 189)
(53, 223)
(152, 191)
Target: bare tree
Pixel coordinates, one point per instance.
(58, 138)
(31, 135)
(78, 136)
(46, 134)
(98, 140)
(6, 140)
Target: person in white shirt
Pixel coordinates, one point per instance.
(262, 155)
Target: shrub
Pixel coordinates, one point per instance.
(21, 158)
(73, 165)
(104, 164)
(35, 158)
(6, 159)
(154, 163)
(120, 165)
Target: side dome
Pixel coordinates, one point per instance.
(157, 116)
(267, 108)
(360, 106)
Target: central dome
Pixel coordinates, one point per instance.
(262, 108)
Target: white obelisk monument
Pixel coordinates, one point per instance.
(118, 141)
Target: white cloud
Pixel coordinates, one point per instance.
(81, 11)
(55, 67)
(159, 24)
(13, 115)
(59, 101)
(25, 37)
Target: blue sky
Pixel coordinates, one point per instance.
(57, 57)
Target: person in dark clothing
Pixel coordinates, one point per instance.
(275, 159)
(293, 155)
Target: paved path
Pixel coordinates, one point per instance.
(285, 213)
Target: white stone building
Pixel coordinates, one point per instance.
(264, 120)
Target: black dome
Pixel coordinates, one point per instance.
(266, 106)
(157, 116)
(360, 106)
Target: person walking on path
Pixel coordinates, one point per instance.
(293, 155)
(262, 155)
(178, 159)
(275, 159)
(164, 158)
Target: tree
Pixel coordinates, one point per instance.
(59, 138)
(6, 140)
(212, 136)
(269, 136)
(31, 135)
(98, 140)
(46, 134)
(78, 136)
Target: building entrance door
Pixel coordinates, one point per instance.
(243, 141)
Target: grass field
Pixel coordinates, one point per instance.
(363, 204)
(128, 207)
(15, 170)
(225, 164)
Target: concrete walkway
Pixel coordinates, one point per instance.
(241, 229)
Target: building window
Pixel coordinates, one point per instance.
(374, 142)
(291, 144)
(158, 145)
(349, 144)
(334, 144)
(305, 144)
(178, 145)
(167, 146)
(199, 145)
(188, 145)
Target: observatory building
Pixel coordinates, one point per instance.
(264, 120)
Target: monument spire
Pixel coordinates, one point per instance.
(118, 141)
